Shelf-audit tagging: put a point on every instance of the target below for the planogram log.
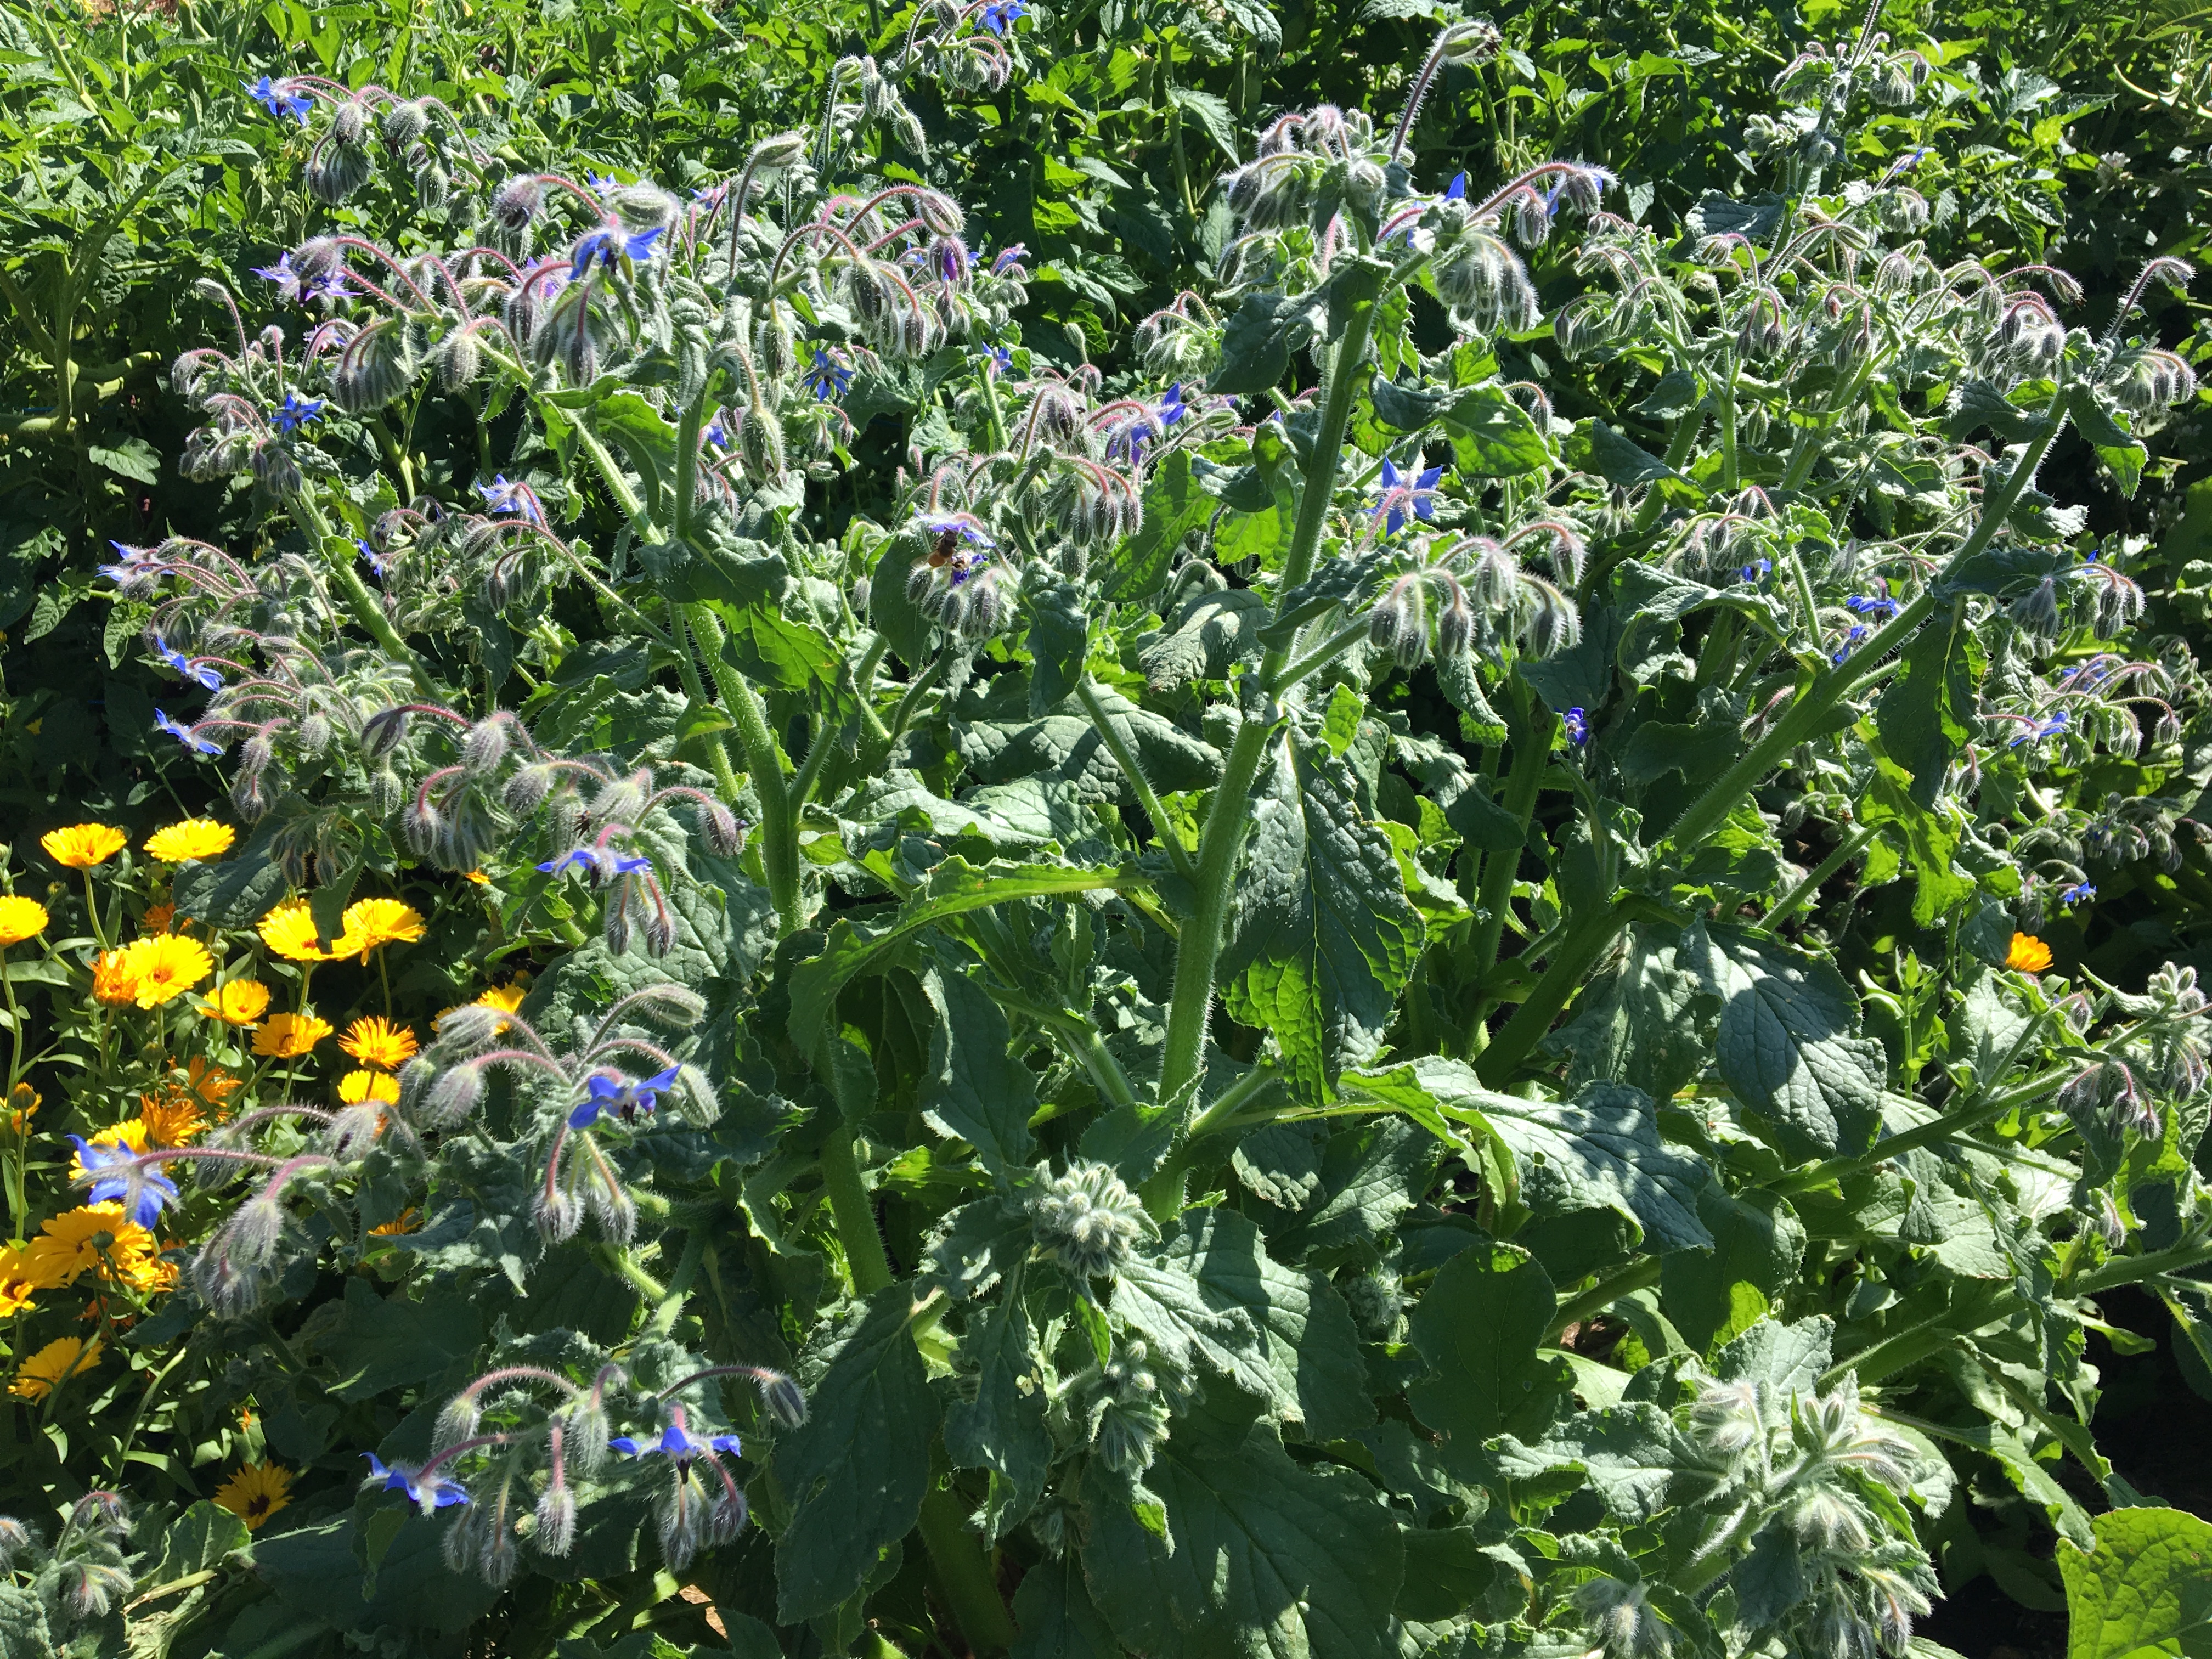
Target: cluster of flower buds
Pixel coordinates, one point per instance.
(961, 583)
(1180, 341)
(1122, 1408)
(86, 1573)
(1085, 1219)
(1477, 593)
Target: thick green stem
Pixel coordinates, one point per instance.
(779, 824)
(964, 1573)
(1532, 753)
(854, 1212)
(2135, 1269)
(1847, 850)
(1572, 961)
(1587, 1304)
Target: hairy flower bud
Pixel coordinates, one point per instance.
(484, 747)
(515, 203)
(1087, 1219)
(274, 469)
(373, 369)
(338, 168)
(403, 123)
(454, 1095)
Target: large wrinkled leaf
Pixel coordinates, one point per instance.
(1369, 1177)
(377, 1342)
(1629, 1453)
(856, 1472)
(1757, 1245)
(1254, 1556)
(1324, 935)
(2147, 1587)
(1317, 1378)
(1478, 1327)
(1003, 1428)
(1196, 1327)
(1649, 1023)
(1928, 713)
(975, 1090)
(1789, 1043)
(1055, 1617)
(1600, 1151)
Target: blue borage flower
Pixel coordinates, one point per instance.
(1000, 360)
(1400, 491)
(1002, 15)
(427, 1492)
(288, 280)
(2080, 893)
(601, 864)
(154, 1189)
(137, 563)
(971, 530)
(1009, 258)
(2037, 730)
(606, 1093)
(279, 101)
(199, 672)
(827, 377)
(716, 434)
(1757, 571)
(678, 1442)
(378, 564)
(1878, 606)
(515, 500)
(296, 411)
(1857, 633)
(186, 735)
(608, 243)
(1577, 723)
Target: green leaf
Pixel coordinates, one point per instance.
(1757, 1245)
(316, 1571)
(975, 1090)
(380, 1342)
(1003, 1428)
(1928, 711)
(24, 1632)
(954, 887)
(1370, 1175)
(1060, 639)
(1212, 113)
(1316, 1378)
(1596, 447)
(133, 458)
(855, 1471)
(1648, 1022)
(1478, 1327)
(1198, 1329)
(1492, 436)
(1324, 935)
(1931, 840)
(1256, 349)
(1255, 1556)
(1176, 504)
(1056, 1617)
(2147, 1587)
(236, 891)
(772, 646)
(195, 1541)
(1789, 1044)
(1629, 1453)
(1600, 1151)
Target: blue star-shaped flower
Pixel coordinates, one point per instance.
(1872, 604)
(938, 523)
(1008, 256)
(1002, 361)
(1757, 571)
(2040, 729)
(282, 274)
(295, 412)
(678, 1442)
(436, 1493)
(2080, 893)
(1859, 632)
(1003, 15)
(716, 434)
(826, 378)
(279, 102)
(603, 1094)
(1172, 407)
(378, 564)
(606, 244)
(1402, 490)
(186, 735)
(602, 864)
(201, 674)
(513, 500)
(1456, 191)
(1577, 723)
(154, 1188)
(134, 562)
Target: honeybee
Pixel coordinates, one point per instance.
(948, 543)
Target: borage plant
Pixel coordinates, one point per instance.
(1084, 925)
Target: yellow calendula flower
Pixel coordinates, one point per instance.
(286, 1037)
(23, 1104)
(151, 1276)
(505, 998)
(114, 977)
(355, 1087)
(44, 1372)
(370, 923)
(97, 1237)
(289, 931)
(21, 918)
(195, 838)
(376, 1041)
(241, 1002)
(83, 845)
(16, 1283)
(165, 966)
(2028, 954)
(256, 1491)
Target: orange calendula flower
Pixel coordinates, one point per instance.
(23, 1104)
(83, 845)
(376, 1041)
(355, 1087)
(114, 978)
(157, 919)
(172, 1118)
(165, 966)
(241, 1002)
(195, 838)
(405, 1222)
(289, 931)
(370, 923)
(478, 876)
(256, 1491)
(62, 1359)
(96, 1236)
(16, 1283)
(286, 1037)
(21, 918)
(2028, 954)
